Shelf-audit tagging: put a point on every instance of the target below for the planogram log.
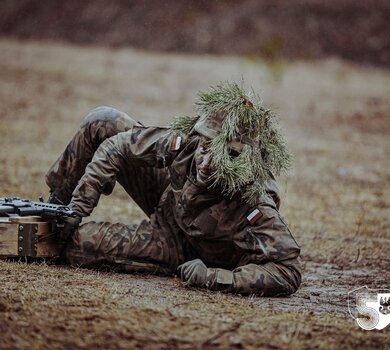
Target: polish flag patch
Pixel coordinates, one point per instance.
(254, 216)
(176, 143)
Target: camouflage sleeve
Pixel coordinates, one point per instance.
(270, 279)
(269, 265)
(139, 147)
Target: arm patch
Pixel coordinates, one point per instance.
(176, 143)
(254, 215)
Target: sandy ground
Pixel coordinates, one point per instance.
(337, 199)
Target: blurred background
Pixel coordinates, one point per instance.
(355, 30)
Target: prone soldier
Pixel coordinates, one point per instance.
(206, 184)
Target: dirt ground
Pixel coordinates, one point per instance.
(336, 200)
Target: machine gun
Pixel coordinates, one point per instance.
(30, 228)
(23, 207)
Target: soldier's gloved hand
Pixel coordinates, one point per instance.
(193, 273)
(69, 225)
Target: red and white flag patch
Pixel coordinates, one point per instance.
(254, 216)
(176, 143)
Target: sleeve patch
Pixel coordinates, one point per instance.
(176, 143)
(254, 216)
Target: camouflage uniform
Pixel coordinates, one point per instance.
(187, 221)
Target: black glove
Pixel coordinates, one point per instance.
(68, 225)
(193, 273)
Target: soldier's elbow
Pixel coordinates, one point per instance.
(295, 282)
(294, 275)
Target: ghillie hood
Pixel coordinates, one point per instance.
(235, 120)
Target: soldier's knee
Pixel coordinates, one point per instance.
(101, 114)
(104, 122)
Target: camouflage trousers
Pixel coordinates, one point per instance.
(128, 248)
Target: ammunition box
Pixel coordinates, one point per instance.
(27, 237)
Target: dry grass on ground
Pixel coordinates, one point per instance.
(337, 200)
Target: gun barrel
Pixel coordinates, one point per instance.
(6, 209)
(29, 211)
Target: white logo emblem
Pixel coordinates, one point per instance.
(370, 307)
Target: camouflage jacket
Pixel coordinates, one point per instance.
(246, 248)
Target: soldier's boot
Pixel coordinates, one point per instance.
(100, 124)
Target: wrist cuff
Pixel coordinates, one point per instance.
(219, 279)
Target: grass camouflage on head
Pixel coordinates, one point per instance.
(246, 146)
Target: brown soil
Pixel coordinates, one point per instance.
(355, 30)
(337, 201)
